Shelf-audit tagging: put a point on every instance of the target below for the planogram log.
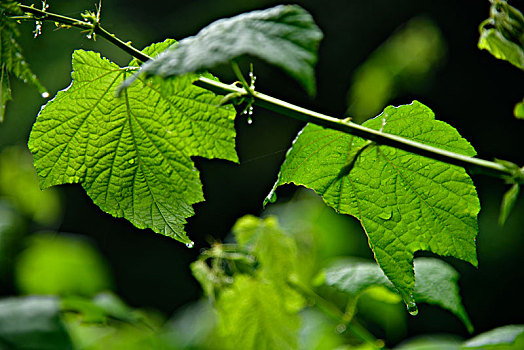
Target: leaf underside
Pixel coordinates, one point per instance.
(404, 202)
(132, 154)
(285, 36)
(436, 282)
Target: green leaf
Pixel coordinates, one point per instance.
(503, 33)
(508, 202)
(12, 232)
(132, 154)
(405, 202)
(11, 59)
(100, 308)
(435, 283)
(518, 111)
(19, 186)
(252, 315)
(284, 35)
(53, 264)
(275, 251)
(431, 342)
(509, 337)
(32, 323)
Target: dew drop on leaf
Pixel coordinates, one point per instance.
(45, 94)
(412, 308)
(190, 244)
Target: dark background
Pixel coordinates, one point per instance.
(473, 91)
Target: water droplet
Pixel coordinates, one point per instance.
(131, 161)
(341, 328)
(190, 244)
(412, 308)
(385, 214)
(89, 36)
(249, 121)
(45, 94)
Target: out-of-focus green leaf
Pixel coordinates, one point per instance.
(253, 315)
(284, 35)
(509, 337)
(274, 250)
(132, 154)
(405, 202)
(405, 63)
(503, 33)
(193, 327)
(98, 309)
(435, 283)
(431, 342)
(11, 235)
(317, 331)
(518, 111)
(11, 59)
(55, 264)
(32, 323)
(19, 186)
(508, 202)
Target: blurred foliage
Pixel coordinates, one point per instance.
(60, 265)
(32, 323)
(19, 186)
(404, 63)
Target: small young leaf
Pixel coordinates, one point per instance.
(518, 111)
(32, 323)
(511, 336)
(274, 250)
(405, 202)
(11, 59)
(252, 315)
(508, 202)
(503, 33)
(285, 36)
(132, 154)
(435, 283)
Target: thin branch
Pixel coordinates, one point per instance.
(472, 164)
(86, 25)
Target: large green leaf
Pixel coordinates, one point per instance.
(132, 154)
(405, 202)
(32, 323)
(285, 36)
(503, 33)
(435, 283)
(252, 315)
(11, 59)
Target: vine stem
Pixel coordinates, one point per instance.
(475, 165)
(86, 25)
(282, 107)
